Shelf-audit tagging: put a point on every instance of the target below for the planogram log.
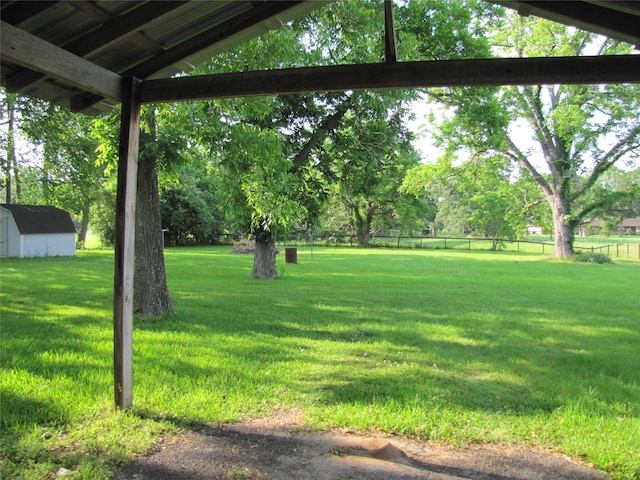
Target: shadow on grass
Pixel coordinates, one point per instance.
(412, 331)
(16, 409)
(483, 335)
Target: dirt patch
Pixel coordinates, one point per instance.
(273, 448)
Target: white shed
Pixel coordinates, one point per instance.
(36, 231)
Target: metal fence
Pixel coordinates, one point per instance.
(617, 250)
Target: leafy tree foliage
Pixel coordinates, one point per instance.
(191, 207)
(474, 197)
(285, 151)
(580, 131)
(618, 191)
(70, 174)
(370, 155)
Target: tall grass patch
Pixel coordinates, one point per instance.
(450, 346)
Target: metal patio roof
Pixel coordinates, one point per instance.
(42, 41)
(617, 19)
(145, 39)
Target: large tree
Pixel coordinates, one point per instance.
(191, 205)
(151, 294)
(283, 167)
(576, 132)
(159, 149)
(476, 196)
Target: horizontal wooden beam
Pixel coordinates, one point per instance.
(114, 29)
(29, 51)
(449, 73)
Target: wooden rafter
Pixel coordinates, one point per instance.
(499, 71)
(183, 50)
(31, 52)
(113, 30)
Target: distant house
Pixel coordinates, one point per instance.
(36, 231)
(628, 226)
(534, 230)
(631, 226)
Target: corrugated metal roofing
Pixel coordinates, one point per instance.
(617, 19)
(157, 39)
(33, 219)
(145, 39)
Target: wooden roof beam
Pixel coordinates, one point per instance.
(31, 52)
(113, 30)
(482, 72)
(259, 13)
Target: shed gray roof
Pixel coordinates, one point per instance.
(32, 219)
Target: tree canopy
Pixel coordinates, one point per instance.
(266, 166)
(577, 132)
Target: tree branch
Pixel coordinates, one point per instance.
(320, 133)
(516, 155)
(624, 146)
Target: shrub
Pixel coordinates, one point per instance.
(592, 257)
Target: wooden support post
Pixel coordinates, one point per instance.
(125, 245)
(390, 50)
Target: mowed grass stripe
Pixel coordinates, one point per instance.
(452, 346)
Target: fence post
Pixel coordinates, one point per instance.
(617, 250)
(445, 243)
(543, 248)
(627, 250)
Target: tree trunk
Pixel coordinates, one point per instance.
(11, 149)
(364, 237)
(16, 174)
(151, 295)
(563, 232)
(363, 234)
(363, 224)
(264, 260)
(84, 225)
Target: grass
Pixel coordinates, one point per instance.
(451, 346)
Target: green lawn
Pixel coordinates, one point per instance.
(450, 346)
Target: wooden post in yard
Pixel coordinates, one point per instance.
(125, 245)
